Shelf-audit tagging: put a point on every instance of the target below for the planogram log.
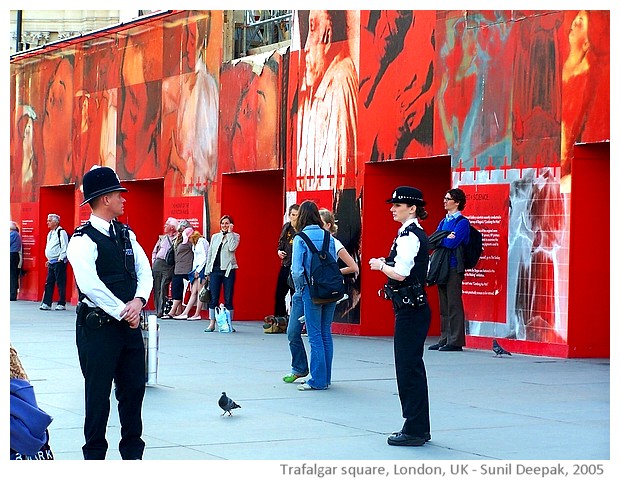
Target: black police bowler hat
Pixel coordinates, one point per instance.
(407, 195)
(99, 181)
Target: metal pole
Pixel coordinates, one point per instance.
(153, 350)
(19, 31)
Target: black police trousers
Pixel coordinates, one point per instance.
(112, 352)
(410, 331)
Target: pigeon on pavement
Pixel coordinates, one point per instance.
(499, 351)
(227, 404)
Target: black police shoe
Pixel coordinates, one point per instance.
(450, 348)
(404, 440)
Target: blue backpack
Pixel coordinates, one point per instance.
(326, 282)
(472, 249)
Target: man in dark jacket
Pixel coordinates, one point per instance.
(450, 286)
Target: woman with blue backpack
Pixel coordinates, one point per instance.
(314, 281)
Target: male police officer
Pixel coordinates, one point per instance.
(114, 279)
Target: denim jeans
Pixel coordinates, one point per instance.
(299, 359)
(319, 326)
(217, 278)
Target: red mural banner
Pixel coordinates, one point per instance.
(484, 287)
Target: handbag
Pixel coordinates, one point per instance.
(205, 295)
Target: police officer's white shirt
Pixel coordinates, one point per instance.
(82, 253)
(56, 246)
(407, 248)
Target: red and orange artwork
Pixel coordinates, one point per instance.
(397, 69)
(250, 100)
(190, 106)
(27, 148)
(57, 119)
(139, 105)
(95, 112)
(292, 109)
(585, 83)
(474, 74)
(539, 275)
(327, 118)
(536, 105)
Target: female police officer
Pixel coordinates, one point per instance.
(406, 268)
(114, 278)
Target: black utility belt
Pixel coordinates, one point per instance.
(402, 295)
(92, 317)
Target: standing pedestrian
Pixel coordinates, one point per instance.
(319, 317)
(450, 289)
(196, 276)
(405, 268)
(277, 322)
(114, 278)
(16, 253)
(163, 264)
(183, 261)
(295, 328)
(56, 254)
(221, 268)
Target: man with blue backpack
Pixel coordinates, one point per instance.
(450, 285)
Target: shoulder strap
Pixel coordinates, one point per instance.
(460, 217)
(325, 247)
(309, 242)
(59, 237)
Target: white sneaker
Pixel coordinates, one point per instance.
(45, 307)
(60, 307)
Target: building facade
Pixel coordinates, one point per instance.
(511, 106)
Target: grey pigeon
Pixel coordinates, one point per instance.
(499, 351)
(227, 404)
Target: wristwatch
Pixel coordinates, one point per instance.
(143, 301)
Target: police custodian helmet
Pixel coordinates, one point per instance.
(99, 181)
(408, 195)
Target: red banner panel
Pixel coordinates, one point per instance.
(484, 287)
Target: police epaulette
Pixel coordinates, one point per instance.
(79, 231)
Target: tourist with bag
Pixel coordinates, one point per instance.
(449, 254)
(297, 323)
(183, 261)
(196, 276)
(222, 268)
(319, 316)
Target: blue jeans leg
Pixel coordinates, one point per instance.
(215, 286)
(299, 359)
(229, 289)
(318, 324)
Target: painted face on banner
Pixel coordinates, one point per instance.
(317, 45)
